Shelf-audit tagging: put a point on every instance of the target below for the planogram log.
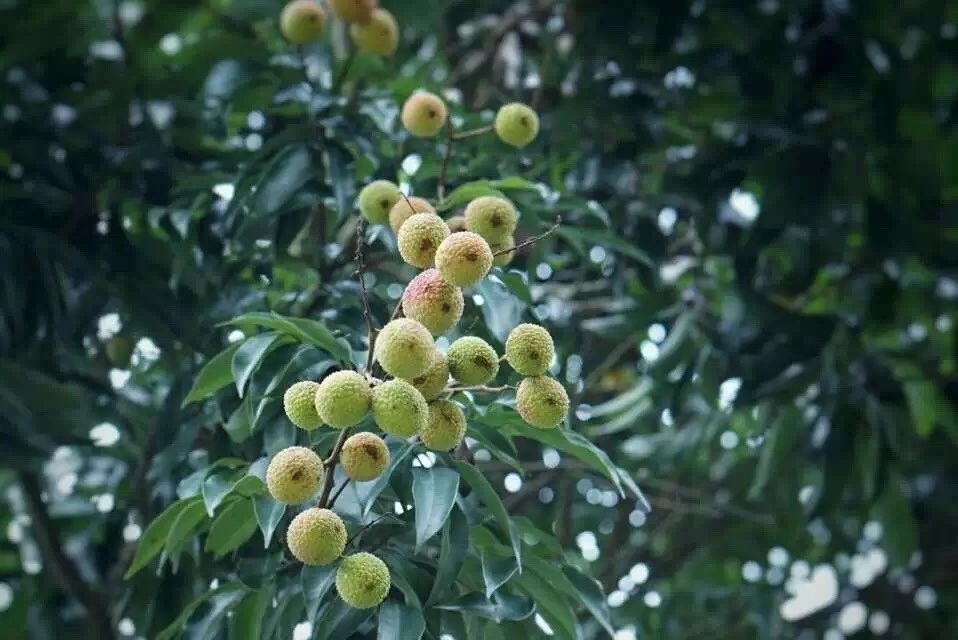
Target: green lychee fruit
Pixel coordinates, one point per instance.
(517, 124)
(464, 258)
(424, 114)
(472, 360)
(379, 36)
(419, 237)
(503, 259)
(405, 208)
(362, 580)
(446, 426)
(353, 10)
(404, 348)
(343, 399)
(299, 401)
(399, 409)
(302, 21)
(433, 381)
(456, 223)
(294, 475)
(119, 350)
(492, 217)
(432, 301)
(316, 536)
(364, 457)
(542, 401)
(529, 349)
(376, 199)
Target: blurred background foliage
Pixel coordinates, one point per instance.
(753, 291)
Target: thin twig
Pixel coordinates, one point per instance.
(479, 387)
(441, 179)
(337, 493)
(364, 527)
(533, 239)
(329, 464)
(469, 133)
(364, 294)
(347, 65)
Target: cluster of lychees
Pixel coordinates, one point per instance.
(373, 30)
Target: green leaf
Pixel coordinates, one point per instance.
(452, 553)
(220, 598)
(579, 236)
(185, 522)
(477, 480)
(501, 310)
(551, 605)
(500, 607)
(311, 332)
(434, 492)
(468, 191)
(249, 356)
(287, 172)
(316, 581)
(232, 527)
(900, 531)
(367, 492)
(398, 565)
(215, 375)
(591, 594)
(339, 621)
(496, 569)
(400, 622)
(268, 514)
(216, 487)
(246, 623)
(518, 283)
(154, 538)
(778, 449)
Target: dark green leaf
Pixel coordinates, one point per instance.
(268, 514)
(248, 357)
(317, 582)
(400, 622)
(452, 553)
(491, 499)
(215, 375)
(154, 538)
(434, 492)
(232, 527)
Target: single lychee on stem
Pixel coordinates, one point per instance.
(302, 21)
(424, 114)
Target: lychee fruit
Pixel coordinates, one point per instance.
(529, 349)
(362, 580)
(419, 237)
(472, 360)
(294, 475)
(405, 208)
(376, 199)
(424, 114)
(302, 21)
(492, 217)
(456, 223)
(353, 10)
(464, 258)
(446, 426)
(404, 348)
(542, 402)
(343, 399)
(399, 409)
(316, 536)
(503, 259)
(433, 381)
(432, 301)
(517, 124)
(379, 36)
(299, 401)
(364, 457)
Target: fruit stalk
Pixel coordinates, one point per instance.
(330, 465)
(533, 239)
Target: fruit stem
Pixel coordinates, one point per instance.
(330, 464)
(336, 494)
(347, 65)
(469, 133)
(441, 178)
(481, 388)
(533, 239)
(361, 276)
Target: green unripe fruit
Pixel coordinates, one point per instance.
(516, 124)
(529, 350)
(399, 409)
(294, 475)
(432, 301)
(419, 237)
(376, 199)
(433, 381)
(343, 399)
(302, 21)
(464, 258)
(405, 208)
(456, 223)
(379, 36)
(364, 457)
(472, 360)
(502, 259)
(446, 426)
(119, 350)
(299, 401)
(362, 580)
(542, 402)
(424, 114)
(316, 537)
(491, 217)
(404, 348)
(353, 10)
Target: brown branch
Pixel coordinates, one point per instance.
(329, 464)
(364, 294)
(533, 239)
(441, 178)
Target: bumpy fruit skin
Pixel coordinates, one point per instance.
(492, 217)
(316, 537)
(464, 258)
(423, 114)
(529, 349)
(299, 401)
(399, 409)
(517, 124)
(302, 21)
(446, 426)
(362, 580)
(419, 237)
(503, 259)
(376, 199)
(379, 36)
(472, 360)
(433, 381)
(353, 10)
(364, 457)
(433, 302)
(294, 475)
(456, 224)
(406, 208)
(542, 402)
(404, 348)
(343, 399)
